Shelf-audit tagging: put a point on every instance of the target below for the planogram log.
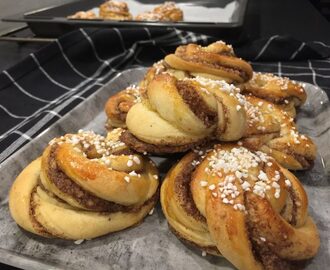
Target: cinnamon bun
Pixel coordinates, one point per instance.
(84, 186)
(241, 204)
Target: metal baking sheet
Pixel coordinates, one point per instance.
(209, 16)
(150, 245)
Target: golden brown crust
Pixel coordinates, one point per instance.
(275, 89)
(279, 90)
(247, 201)
(217, 59)
(273, 131)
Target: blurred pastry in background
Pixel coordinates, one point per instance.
(85, 15)
(115, 10)
(167, 12)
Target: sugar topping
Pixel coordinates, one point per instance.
(253, 112)
(135, 91)
(281, 82)
(296, 137)
(214, 84)
(239, 169)
(88, 140)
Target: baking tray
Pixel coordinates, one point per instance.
(150, 245)
(214, 17)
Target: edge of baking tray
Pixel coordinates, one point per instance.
(77, 108)
(35, 21)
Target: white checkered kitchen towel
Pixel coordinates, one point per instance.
(39, 90)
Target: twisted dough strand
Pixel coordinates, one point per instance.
(282, 91)
(216, 61)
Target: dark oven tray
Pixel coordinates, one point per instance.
(222, 18)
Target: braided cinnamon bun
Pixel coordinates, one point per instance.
(216, 61)
(84, 186)
(167, 12)
(178, 114)
(115, 10)
(241, 204)
(282, 91)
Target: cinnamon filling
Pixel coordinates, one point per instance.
(37, 226)
(183, 192)
(132, 142)
(196, 103)
(261, 249)
(217, 65)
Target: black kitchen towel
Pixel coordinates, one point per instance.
(39, 90)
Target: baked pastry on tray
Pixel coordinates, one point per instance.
(282, 91)
(115, 10)
(86, 15)
(84, 186)
(167, 12)
(241, 204)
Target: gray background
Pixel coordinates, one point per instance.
(10, 7)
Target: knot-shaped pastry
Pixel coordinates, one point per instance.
(84, 186)
(178, 114)
(274, 132)
(167, 12)
(216, 61)
(241, 204)
(282, 91)
(115, 10)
